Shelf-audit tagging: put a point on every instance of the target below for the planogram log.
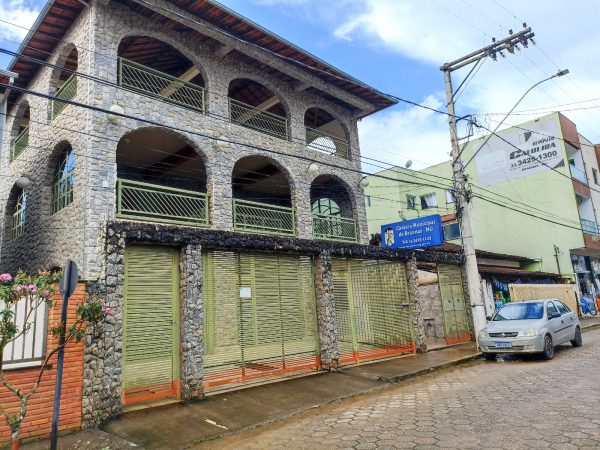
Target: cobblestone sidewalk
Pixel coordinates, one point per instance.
(511, 404)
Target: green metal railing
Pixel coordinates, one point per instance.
(263, 121)
(152, 202)
(334, 228)
(153, 83)
(323, 142)
(67, 91)
(20, 144)
(262, 218)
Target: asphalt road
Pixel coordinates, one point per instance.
(509, 404)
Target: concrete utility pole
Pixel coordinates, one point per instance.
(461, 196)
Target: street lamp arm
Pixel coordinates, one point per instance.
(560, 73)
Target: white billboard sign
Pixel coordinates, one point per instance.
(520, 153)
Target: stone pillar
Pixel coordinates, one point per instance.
(330, 353)
(103, 354)
(412, 277)
(192, 337)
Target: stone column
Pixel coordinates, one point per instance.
(330, 353)
(103, 354)
(412, 277)
(192, 337)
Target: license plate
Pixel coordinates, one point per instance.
(504, 344)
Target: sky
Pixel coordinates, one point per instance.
(397, 46)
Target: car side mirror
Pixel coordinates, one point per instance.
(554, 316)
(488, 318)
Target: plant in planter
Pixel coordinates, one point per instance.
(36, 291)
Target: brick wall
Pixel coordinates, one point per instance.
(38, 420)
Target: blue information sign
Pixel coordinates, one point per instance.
(415, 233)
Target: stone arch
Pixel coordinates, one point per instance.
(326, 133)
(167, 39)
(248, 95)
(9, 210)
(334, 187)
(68, 58)
(22, 112)
(261, 178)
(53, 159)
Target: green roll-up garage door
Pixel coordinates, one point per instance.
(151, 318)
(260, 316)
(373, 311)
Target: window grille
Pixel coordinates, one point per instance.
(18, 225)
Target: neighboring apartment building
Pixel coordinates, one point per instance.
(217, 217)
(542, 211)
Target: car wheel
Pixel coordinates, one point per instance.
(489, 356)
(548, 347)
(577, 340)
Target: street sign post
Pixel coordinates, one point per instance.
(415, 233)
(67, 285)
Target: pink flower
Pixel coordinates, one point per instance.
(45, 293)
(32, 287)
(18, 288)
(5, 277)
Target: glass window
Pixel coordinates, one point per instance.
(562, 307)
(520, 311)
(551, 309)
(449, 196)
(327, 207)
(451, 231)
(428, 201)
(368, 200)
(64, 181)
(411, 202)
(595, 174)
(18, 225)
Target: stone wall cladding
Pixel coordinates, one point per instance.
(330, 353)
(49, 238)
(192, 336)
(412, 277)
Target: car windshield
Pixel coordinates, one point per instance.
(520, 311)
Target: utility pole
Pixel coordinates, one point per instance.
(461, 196)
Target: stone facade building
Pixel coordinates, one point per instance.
(205, 175)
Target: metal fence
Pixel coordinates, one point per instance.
(263, 121)
(334, 228)
(67, 92)
(28, 348)
(262, 218)
(151, 202)
(20, 144)
(323, 142)
(153, 83)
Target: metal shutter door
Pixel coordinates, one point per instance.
(151, 317)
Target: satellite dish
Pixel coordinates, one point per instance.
(408, 164)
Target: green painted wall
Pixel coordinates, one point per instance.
(496, 229)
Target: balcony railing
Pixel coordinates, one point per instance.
(334, 228)
(263, 121)
(262, 218)
(327, 143)
(152, 202)
(589, 226)
(153, 83)
(67, 92)
(20, 144)
(578, 174)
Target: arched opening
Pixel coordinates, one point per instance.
(332, 210)
(16, 212)
(65, 82)
(63, 181)
(252, 105)
(161, 178)
(157, 69)
(324, 133)
(21, 130)
(262, 198)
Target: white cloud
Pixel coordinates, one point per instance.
(16, 12)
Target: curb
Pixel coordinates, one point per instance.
(417, 373)
(591, 326)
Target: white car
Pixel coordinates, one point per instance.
(534, 326)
